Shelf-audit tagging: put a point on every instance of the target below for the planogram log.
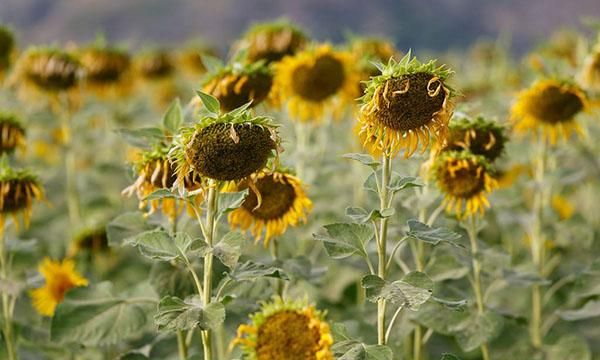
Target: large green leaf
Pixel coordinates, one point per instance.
(439, 318)
(343, 240)
(125, 226)
(230, 201)
(229, 249)
(569, 347)
(142, 138)
(412, 291)
(95, 316)
(173, 118)
(589, 310)
(444, 266)
(478, 329)
(210, 102)
(361, 215)
(177, 314)
(434, 236)
(159, 245)
(364, 159)
(250, 271)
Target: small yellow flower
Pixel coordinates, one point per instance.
(314, 81)
(563, 207)
(465, 179)
(286, 330)
(549, 107)
(275, 201)
(60, 277)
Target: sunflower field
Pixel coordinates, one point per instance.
(300, 200)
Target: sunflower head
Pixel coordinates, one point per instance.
(372, 49)
(224, 146)
(286, 330)
(18, 189)
(590, 74)
(238, 84)
(314, 80)
(480, 136)
(60, 276)
(104, 66)
(405, 105)
(465, 179)
(276, 200)
(7, 45)
(550, 106)
(155, 65)
(49, 70)
(192, 58)
(272, 41)
(90, 240)
(12, 133)
(155, 171)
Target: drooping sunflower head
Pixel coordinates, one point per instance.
(18, 190)
(550, 107)
(286, 330)
(237, 84)
(60, 276)
(155, 65)
(12, 133)
(105, 67)
(275, 201)
(49, 70)
(155, 171)
(7, 46)
(272, 41)
(192, 58)
(404, 106)
(92, 240)
(480, 136)
(465, 179)
(225, 146)
(372, 49)
(315, 80)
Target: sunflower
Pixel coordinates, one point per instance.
(60, 278)
(480, 136)
(369, 50)
(155, 65)
(276, 201)
(226, 146)
(551, 106)
(7, 46)
(315, 80)
(562, 206)
(272, 41)
(404, 106)
(286, 330)
(238, 84)
(106, 69)
(12, 133)
(192, 58)
(590, 74)
(154, 171)
(465, 179)
(18, 189)
(49, 70)
(92, 240)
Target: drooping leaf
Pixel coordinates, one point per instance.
(229, 249)
(160, 245)
(589, 310)
(361, 215)
(177, 314)
(412, 291)
(231, 201)
(399, 183)
(364, 159)
(126, 226)
(434, 236)
(173, 118)
(343, 240)
(250, 270)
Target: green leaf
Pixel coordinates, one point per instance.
(371, 184)
(173, 118)
(229, 249)
(448, 356)
(142, 138)
(399, 183)
(569, 347)
(354, 350)
(177, 314)
(171, 279)
(210, 102)
(456, 305)
(478, 329)
(126, 226)
(230, 201)
(159, 245)
(443, 266)
(412, 291)
(364, 159)
(212, 63)
(434, 236)
(343, 240)
(94, 316)
(250, 270)
(589, 310)
(361, 216)
(441, 319)
(517, 278)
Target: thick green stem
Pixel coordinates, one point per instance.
(71, 181)
(6, 307)
(537, 245)
(181, 345)
(477, 287)
(382, 245)
(211, 211)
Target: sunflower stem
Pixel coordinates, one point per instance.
(6, 307)
(384, 201)
(477, 287)
(213, 194)
(181, 345)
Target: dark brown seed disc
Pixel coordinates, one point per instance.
(277, 198)
(53, 72)
(157, 66)
(216, 155)
(17, 197)
(319, 81)
(487, 143)
(464, 184)
(104, 68)
(273, 46)
(254, 87)
(409, 110)
(554, 105)
(287, 335)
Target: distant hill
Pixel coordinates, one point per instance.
(435, 24)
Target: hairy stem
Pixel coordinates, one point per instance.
(382, 244)
(6, 307)
(211, 211)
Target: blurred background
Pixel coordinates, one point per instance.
(417, 24)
